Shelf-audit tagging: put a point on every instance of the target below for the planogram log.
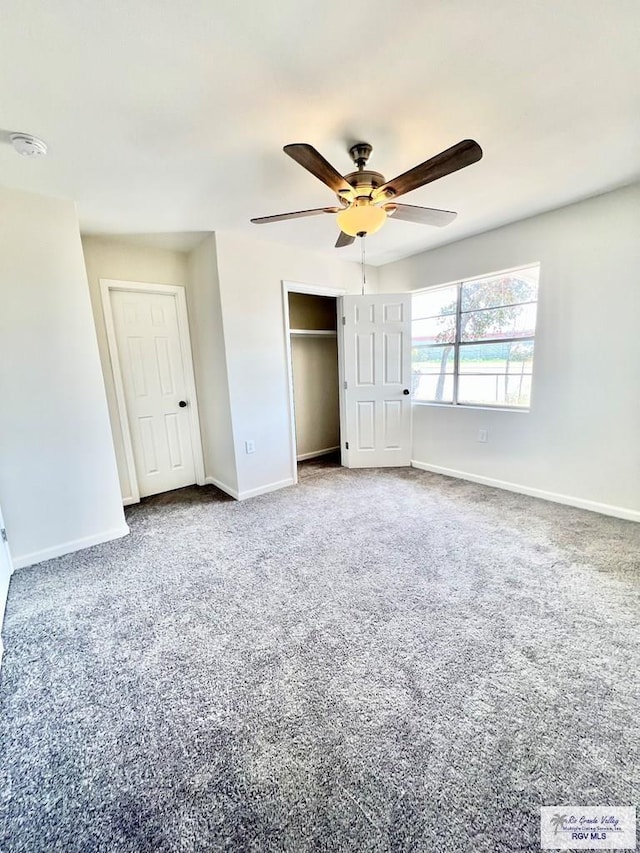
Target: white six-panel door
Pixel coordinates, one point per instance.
(153, 377)
(377, 373)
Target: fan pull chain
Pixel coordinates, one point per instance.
(364, 273)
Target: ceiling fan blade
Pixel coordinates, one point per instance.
(298, 214)
(421, 215)
(457, 157)
(315, 163)
(344, 240)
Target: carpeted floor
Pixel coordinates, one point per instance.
(370, 661)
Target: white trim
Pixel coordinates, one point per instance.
(190, 378)
(211, 481)
(69, 547)
(435, 405)
(116, 373)
(569, 500)
(315, 453)
(178, 292)
(342, 402)
(250, 493)
(314, 290)
(263, 490)
(4, 545)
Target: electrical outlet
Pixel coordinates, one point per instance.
(483, 435)
(250, 446)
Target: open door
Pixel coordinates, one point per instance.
(376, 354)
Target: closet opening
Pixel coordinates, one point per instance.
(314, 374)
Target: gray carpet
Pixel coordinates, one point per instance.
(371, 661)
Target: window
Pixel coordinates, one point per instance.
(473, 341)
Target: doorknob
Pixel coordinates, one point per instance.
(406, 391)
(183, 403)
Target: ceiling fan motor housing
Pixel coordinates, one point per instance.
(364, 182)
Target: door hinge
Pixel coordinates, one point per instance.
(346, 445)
(345, 386)
(3, 535)
(344, 321)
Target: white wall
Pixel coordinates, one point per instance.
(210, 366)
(251, 273)
(111, 258)
(58, 480)
(581, 438)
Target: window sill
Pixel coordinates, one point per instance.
(516, 409)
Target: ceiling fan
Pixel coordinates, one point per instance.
(366, 199)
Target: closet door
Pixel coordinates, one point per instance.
(377, 372)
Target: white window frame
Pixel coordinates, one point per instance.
(502, 407)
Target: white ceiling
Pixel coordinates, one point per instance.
(164, 117)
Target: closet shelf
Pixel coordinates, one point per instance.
(313, 333)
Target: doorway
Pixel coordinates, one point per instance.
(150, 351)
(311, 323)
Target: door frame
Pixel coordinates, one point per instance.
(315, 290)
(4, 592)
(107, 285)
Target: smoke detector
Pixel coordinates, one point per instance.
(28, 145)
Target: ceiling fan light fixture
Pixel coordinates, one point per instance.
(361, 217)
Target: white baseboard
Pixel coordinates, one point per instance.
(130, 500)
(569, 500)
(68, 547)
(228, 490)
(314, 453)
(263, 490)
(250, 493)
